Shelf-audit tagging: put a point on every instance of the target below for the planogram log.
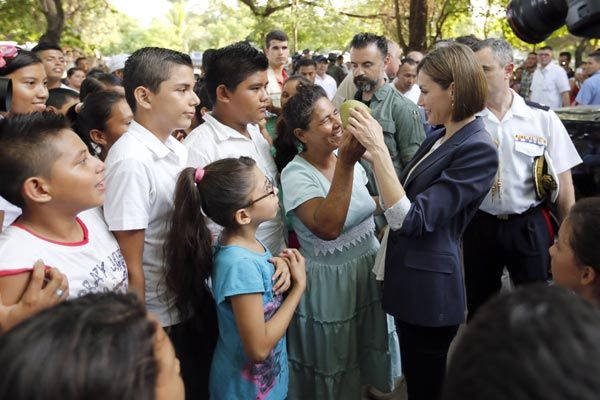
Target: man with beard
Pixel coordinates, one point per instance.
(398, 116)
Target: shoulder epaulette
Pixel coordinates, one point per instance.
(533, 104)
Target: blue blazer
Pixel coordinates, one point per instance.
(423, 282)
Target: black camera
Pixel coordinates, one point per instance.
(5, 94)
(534, 20)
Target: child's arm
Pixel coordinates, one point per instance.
(260, 337)
(23, 295)
(132, 248)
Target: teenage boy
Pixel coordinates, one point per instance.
(236, 80)
(141, 171)
(54, 63)
(277, 52)
(47, 170)
(60, 100)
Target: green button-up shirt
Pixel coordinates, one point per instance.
(401, 122)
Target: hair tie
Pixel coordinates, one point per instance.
(7, 52)
(198, 175)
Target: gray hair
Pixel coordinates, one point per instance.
(500, 47)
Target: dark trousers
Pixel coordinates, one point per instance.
(194, 348)
(520, 243)
(423, 351)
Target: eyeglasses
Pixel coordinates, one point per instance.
(270, 186)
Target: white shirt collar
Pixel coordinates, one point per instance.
(517, 108)
(148, 139)
(223, 132)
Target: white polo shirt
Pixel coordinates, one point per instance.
(413, 93)
(141, 172)
(214, 141)
(524, 133)
(328, 83)
(547, 84)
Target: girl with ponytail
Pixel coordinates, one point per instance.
(252, 315)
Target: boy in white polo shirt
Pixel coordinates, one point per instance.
(141, 171)
(236, 80)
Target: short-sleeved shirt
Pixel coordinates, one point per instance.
(214, 141)
(301, 182)
(401, 122)
(524, 133)
(590, 90)
(328, 84)
(141, 172)
(548, 84)
(94, 264)
(238, 271)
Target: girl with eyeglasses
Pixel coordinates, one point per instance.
(250, 358)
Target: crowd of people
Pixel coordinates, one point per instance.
(303, 230)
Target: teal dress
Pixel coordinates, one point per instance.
(338, 338)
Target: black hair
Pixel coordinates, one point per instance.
(26, 150)
(584, 220)
(565, 54)
(98, 82)
(80, 59)
(297, 114)
(22, 59)
(149, 67)
(305, 62)
(362, 40)
(275, 35)
(231, 65)
(98, 346)
(224, 189)
(205, 101)
(43, 46)
(536, 343)
(207, 55)
(409, 61)
(95, 112)
(71, 71)
(59, 96)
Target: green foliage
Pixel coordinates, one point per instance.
(321, 25)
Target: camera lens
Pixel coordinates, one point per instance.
(534, 20)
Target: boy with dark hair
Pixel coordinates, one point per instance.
(307, 67)
(236, 80)
(47, 171)
(54, 63)
(60, 100)
(141, 170)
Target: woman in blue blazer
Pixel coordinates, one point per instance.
(428, 207)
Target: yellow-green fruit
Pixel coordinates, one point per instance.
(349, 105)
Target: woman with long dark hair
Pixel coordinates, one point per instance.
(338, 339)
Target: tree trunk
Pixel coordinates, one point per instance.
(55, 18)
(417, 25)
(580, 49)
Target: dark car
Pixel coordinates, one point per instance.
(583, 125)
